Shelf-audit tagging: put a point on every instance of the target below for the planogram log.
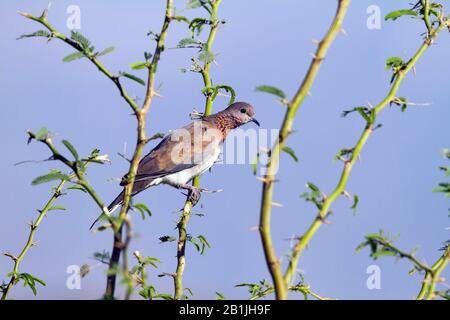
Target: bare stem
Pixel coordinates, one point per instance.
(428, 288)
(55, 34)
(348, 165)
(33, 228)
(281, 286)
(182, 225)
(141, 116)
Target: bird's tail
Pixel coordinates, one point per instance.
(111, 208)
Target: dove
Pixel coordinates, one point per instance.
(186, 153)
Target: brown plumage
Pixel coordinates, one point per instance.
(188, 152)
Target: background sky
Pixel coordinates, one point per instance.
(263, 42)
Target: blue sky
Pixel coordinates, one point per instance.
(263, 42)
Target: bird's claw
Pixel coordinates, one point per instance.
(194, 195)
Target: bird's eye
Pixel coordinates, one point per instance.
(243, 111)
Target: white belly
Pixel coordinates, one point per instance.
(184, 176)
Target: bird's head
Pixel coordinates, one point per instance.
(241, 113)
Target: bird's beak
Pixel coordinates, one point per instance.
(255, 121)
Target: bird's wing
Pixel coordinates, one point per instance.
(182, 149)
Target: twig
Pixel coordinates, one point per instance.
(141, 115)
(281, 286)
(55, 34)
(33, 228)
(182, 225)
(298, 288)
(348, 165)
(431, 277)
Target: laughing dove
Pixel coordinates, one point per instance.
(187, 152)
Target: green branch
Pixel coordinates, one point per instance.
(281, 286)
(305, 290)
(92, 57)
(33, 229)
(182, 225)
(348, 165)
(428, 289)
(141, 115)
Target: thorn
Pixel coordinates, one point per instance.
(277, 204)
(24, 14)
(261, 179)
(122, 155)
(254, 228)
(347, 195)
(10, 255)
(157, 94)
(314, 56)
(370, 105)
(315, 41)
(264, 149)
(343, 31)
(309, 94)
(414, 70)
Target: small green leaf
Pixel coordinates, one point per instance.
(182, 19)
(355, 203)
(195, 243)
(227, 89)
(255, 164)
(290, 152)
(394, 15)
(206, 57)
(444, 188)
(394, 62)
(84, 270)
(167, 239)
(157, 135)
(29, 280)
(57, 207)
(150, 260)
(164, 296)
(204, 242)
(271, 90)
(132, 77)
(42, 134)
(192, 4)
(313, 187)
(187, 42)
(39, 33)
(188, 290)
(71, 148)
(139, 65)
(74, 56)
(147, 55)
(363, 112)
(220, 296)
(76, 187)
(383, 253)
(106, 51)
(82, 40)
(52, 176)
(143, 209)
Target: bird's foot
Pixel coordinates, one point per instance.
(194, 195)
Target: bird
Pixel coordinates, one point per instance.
(186, 153)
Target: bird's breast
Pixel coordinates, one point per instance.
(186, 175)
